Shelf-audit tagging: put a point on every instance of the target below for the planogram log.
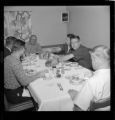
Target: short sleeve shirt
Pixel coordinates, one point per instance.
(96, 88)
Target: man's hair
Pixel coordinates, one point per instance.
(19, 44)
(10, 40)
(102, 51)
(70, 35)
(76, 37)
(73, 36)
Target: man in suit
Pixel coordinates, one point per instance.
(33, 47)
(8, 46)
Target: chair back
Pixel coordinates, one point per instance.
(17, 107)
(102, 105)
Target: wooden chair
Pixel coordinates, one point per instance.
(102, 105)
(17, 107)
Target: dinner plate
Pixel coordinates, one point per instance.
(75, 79)
(74, 82)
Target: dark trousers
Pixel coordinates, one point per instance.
(15, 96)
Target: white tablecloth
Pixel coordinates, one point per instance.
(47, 92)
(49, 96)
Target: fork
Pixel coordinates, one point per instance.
(59, 85)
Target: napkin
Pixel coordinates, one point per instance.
(25, 93)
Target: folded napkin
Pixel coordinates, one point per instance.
(25, 93)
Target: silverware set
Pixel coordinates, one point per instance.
(60, 86)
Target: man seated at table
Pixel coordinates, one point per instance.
(98, 86)
(33, 46)
(79, 53)
(8, 45)
(15, 78)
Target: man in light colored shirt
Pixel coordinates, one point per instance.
(98, 86)
(32, 46)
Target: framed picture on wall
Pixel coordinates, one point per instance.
(65, 16)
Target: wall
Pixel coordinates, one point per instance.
(91, 23)
(46, 23)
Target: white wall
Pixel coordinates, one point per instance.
(46, 23)
(91, 23)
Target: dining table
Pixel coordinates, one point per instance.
(51, 90)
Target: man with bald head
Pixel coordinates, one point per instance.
(98, 86)
(33, 46)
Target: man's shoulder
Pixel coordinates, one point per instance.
(84, 48)
(8, 58)
(99, 74)
(81, 50)
(37, 44)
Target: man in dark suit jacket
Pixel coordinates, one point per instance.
(9, 44)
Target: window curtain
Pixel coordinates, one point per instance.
(17, 24)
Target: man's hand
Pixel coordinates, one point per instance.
(66, 57)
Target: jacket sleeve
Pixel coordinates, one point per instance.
(21, 76)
